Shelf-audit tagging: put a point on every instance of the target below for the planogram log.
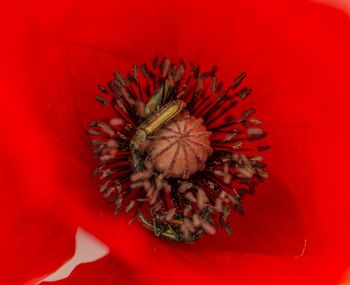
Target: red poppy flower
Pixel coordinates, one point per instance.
(296, 55)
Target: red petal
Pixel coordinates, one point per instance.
(296, 55)
(106, 271)
(34, 242)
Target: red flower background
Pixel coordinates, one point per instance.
(296, 54)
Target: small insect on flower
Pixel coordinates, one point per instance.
(175, 151)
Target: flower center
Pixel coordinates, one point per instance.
(166, 166)
(180, 148)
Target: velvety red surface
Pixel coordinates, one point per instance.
(296, 54)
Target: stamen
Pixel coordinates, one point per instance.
(176, 144)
